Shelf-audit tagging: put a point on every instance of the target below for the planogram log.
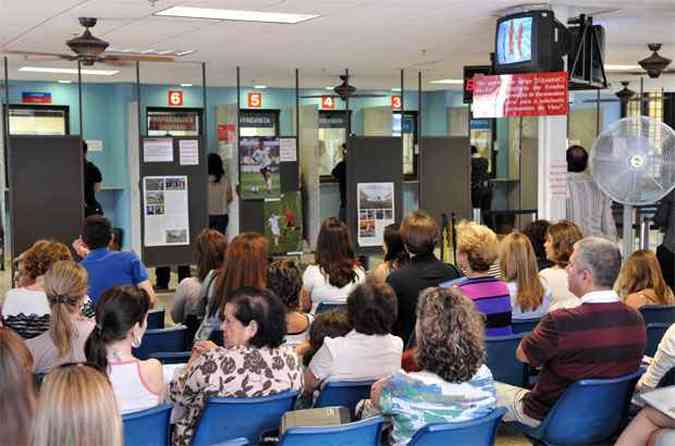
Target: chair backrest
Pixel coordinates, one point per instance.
(589, 411)
(502, 362)
(228, 418)
(360, 433)
(171, 339)
(235, 442)
(148, 427)
(523, 325)
(344, 393)
(156, 319)
(478, 432)
(655, 332)
(172, 357)
(658, 313)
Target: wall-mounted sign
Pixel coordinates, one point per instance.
(469, 72)
(529, 94)
(396, 102)
(169, 122)
(256, 119)
(36, 97)
(226, 132)
(255, 99)
(175, 98)
(328, 102)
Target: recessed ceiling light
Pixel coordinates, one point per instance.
(260, 87)
(234, 15)
(65, 82)
(448, 81)
(69, 71)
(328, 88)
(622, 67)
(186, 85)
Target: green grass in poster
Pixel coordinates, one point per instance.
(283, 224)
(253, 186)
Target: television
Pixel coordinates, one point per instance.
(585, 61)
(529, 42)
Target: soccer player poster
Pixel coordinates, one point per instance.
(259, 168)
(283, 224)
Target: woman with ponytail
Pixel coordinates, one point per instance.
(65, 284)
(121, 319)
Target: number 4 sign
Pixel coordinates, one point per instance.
(327, 102)
(175, 98)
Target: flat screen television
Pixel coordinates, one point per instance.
(528, 42)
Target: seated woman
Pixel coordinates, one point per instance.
(477, 249)
(663, 362)
(329, 324)
(285, 280)
(529, 298)
(369, 351)
(649, 427)
(77, 407)
(641, 281)
(395, 254)
(454, 384)
(26, 309)
(559, 244)
(253, 362)
(65, 284)
(121, 319)
(536, 232)
(17, 389)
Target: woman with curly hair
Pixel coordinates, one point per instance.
(559, 244)
(454, 384)
(285, 279)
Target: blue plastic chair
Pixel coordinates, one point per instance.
(360, 433)
(217, 337)
(478, 432)
(235, 442)
(502, 362)
(344, 393)
(655, 332)
(148, 427)
(589, 411)
(156, 319)
(172, 357)
(322, 308)
(652, 314)
(523, 325)
(228, 418)
(172, 339)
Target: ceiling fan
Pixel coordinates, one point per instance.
(624, 95)
(89, 49)
(345, 91)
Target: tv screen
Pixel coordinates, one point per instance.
(514, 41)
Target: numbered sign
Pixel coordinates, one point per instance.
(328, 102)
(396, 102)
(254, 99)
(175, 98)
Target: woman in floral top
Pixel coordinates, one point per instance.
(253, 362)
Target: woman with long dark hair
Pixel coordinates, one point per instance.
(220, 194)
(336, 272)
(395, 254)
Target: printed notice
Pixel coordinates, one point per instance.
(94, 145)
(166, 211)
(375, 207)
(158, 150)
(188, 152)
(287, 150)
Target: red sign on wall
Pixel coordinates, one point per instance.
(226, 132)
(396, 102)
(175, 98)
(328, 102)
(254, 99)
(530, 94)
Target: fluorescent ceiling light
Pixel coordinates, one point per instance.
(622, 67)
(235, 15)
(65, 82)
(328, 88)
(396, 89)
(185, 53)
(186, 85)
(69, 71)
(260, 87)
(448, 81)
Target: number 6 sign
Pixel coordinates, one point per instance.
(175, 98)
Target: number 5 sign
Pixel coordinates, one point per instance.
(175, 98)
(254, 99)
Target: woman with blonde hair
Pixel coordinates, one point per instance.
(559, 244)
(65, 285)
(518, 263)
(77, 408)
(17, 396)
(641, 281)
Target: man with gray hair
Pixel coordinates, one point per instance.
(601, 338)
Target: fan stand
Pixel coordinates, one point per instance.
(628, 212)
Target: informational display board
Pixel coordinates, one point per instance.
(174, 201)
(46, 189)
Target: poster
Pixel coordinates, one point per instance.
(259, 168)
(375, 206)
(157, 150)
(283, 224)
(166, 211)
(188, 152)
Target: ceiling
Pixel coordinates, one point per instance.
(373, 38)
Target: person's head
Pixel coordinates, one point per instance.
(372, 308)
(518, 264)
(536, 232)
(96, 232)
(449, 333)
(77, 407)
(577, 159)
(328, 324)
(285, 279)
(394, 250)
(17, 403)
(41, 256)
(121, 315)
(642, 271)
(85, 147)
(255, 317)
(594, 265)
(560, 240)
(65, 285)
(335, 253)
(210, 249)
(419, 232)
(215, 166)
(474, 150)
(477, 247)
(245, 264)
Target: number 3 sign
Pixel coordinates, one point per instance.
(175, 98)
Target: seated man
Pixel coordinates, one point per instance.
(108, 268)
(601, 338)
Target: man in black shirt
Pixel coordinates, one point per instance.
(340, 174)
(92, 184)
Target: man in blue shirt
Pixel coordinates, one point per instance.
(108, 268)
